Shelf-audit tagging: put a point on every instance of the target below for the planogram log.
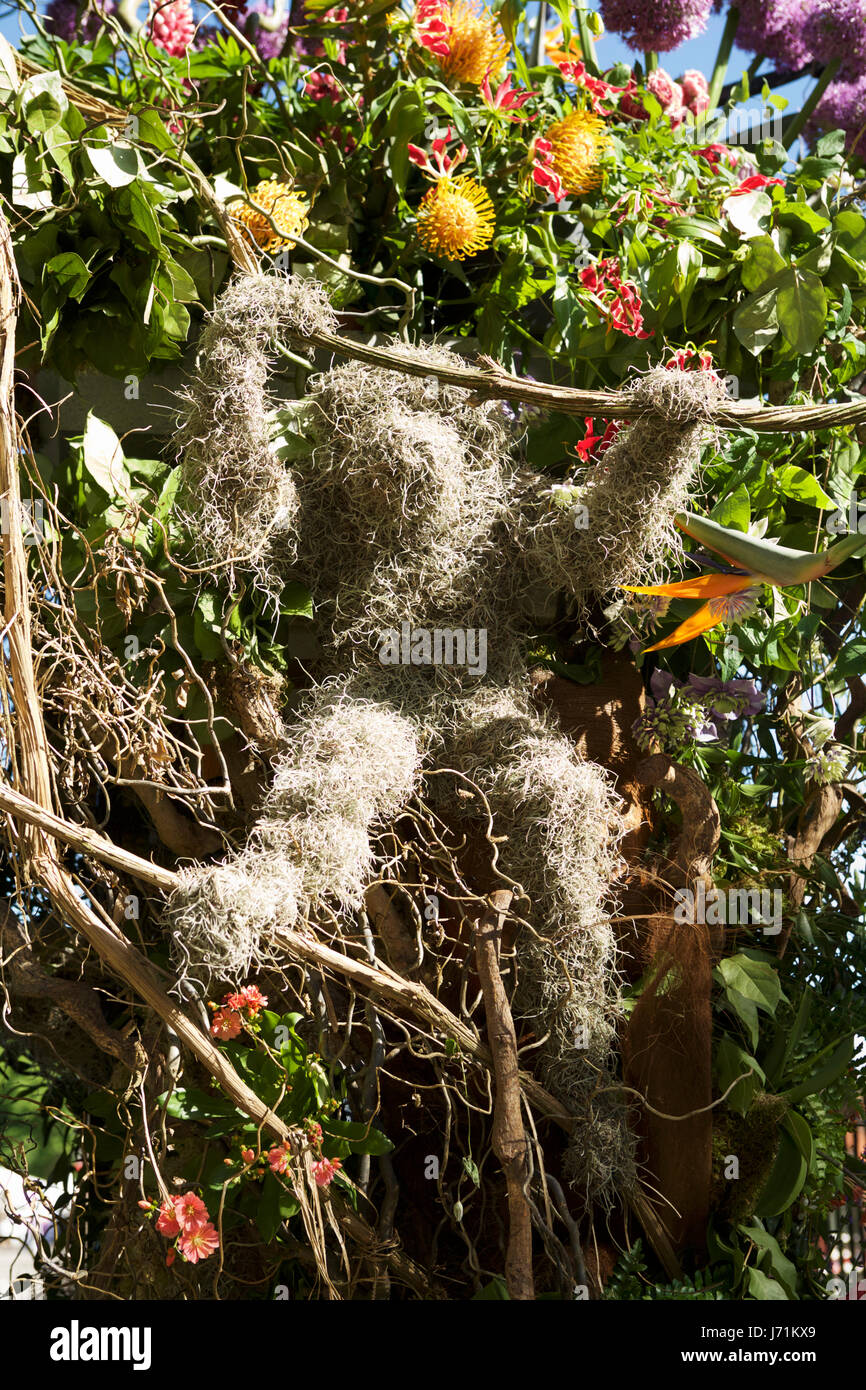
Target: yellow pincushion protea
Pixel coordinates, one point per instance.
(467, 40)
(283, 206)
(456, 218)
(578, 143)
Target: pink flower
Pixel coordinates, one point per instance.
(279, 1158)
(191, 1211)
(199, 1244)
(172, 27)
(167, 1223)
(322, 86)
(226, 1024)
(505, 98)
(667, 92)
(324, 1170)
(753, 182)
(248, 1156)
(696, 93)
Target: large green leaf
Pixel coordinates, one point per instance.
(801, 306)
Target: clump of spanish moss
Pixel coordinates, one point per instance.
(613, 524)
(348, 765)
(407, 508)
(560, 821)
(238, 499)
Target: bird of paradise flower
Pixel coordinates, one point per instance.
(731, 597)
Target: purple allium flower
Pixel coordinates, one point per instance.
(842, 107)
(658, 27)
(735, 699)
(775, 28)
(269, 42)
(76, 19)
(837, 29)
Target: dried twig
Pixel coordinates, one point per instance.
(508, 1138)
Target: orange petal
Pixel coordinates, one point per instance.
(700, 621)
(702, 586)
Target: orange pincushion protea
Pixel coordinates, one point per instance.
(578, 142)
(456, 218)
(285, 210)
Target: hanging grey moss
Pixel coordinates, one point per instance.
(408, 508)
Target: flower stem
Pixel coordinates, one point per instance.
(650, 62)
(538, 37)
(726, 43)
(795, 128)
(586, 45)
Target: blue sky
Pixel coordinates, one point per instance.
(699, 53)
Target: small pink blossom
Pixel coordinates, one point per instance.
(248, 1156)
(325, 1169)
(199, 1244)
(191, 1211)
(279, 1158)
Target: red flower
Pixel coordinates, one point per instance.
(505, 98)
(713, 154)
(248, 1156)
(618, 298)
(442, 163)
(541, 152)
(586, 446)
(596, 88)
(683, 359)
(754, 181)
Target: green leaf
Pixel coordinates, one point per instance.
(117, 165)
(762, 263)
(764, 1288)
(43, 101)
(852, 660)
(795, 482)
(780, 1266)
(360, 1138)
(103, 459)
(788, 1174)
(756, 322)
(801, 306)
(754, 979)
(70, 272)
(733, 1061)
(836, 1064)
(735, 510)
